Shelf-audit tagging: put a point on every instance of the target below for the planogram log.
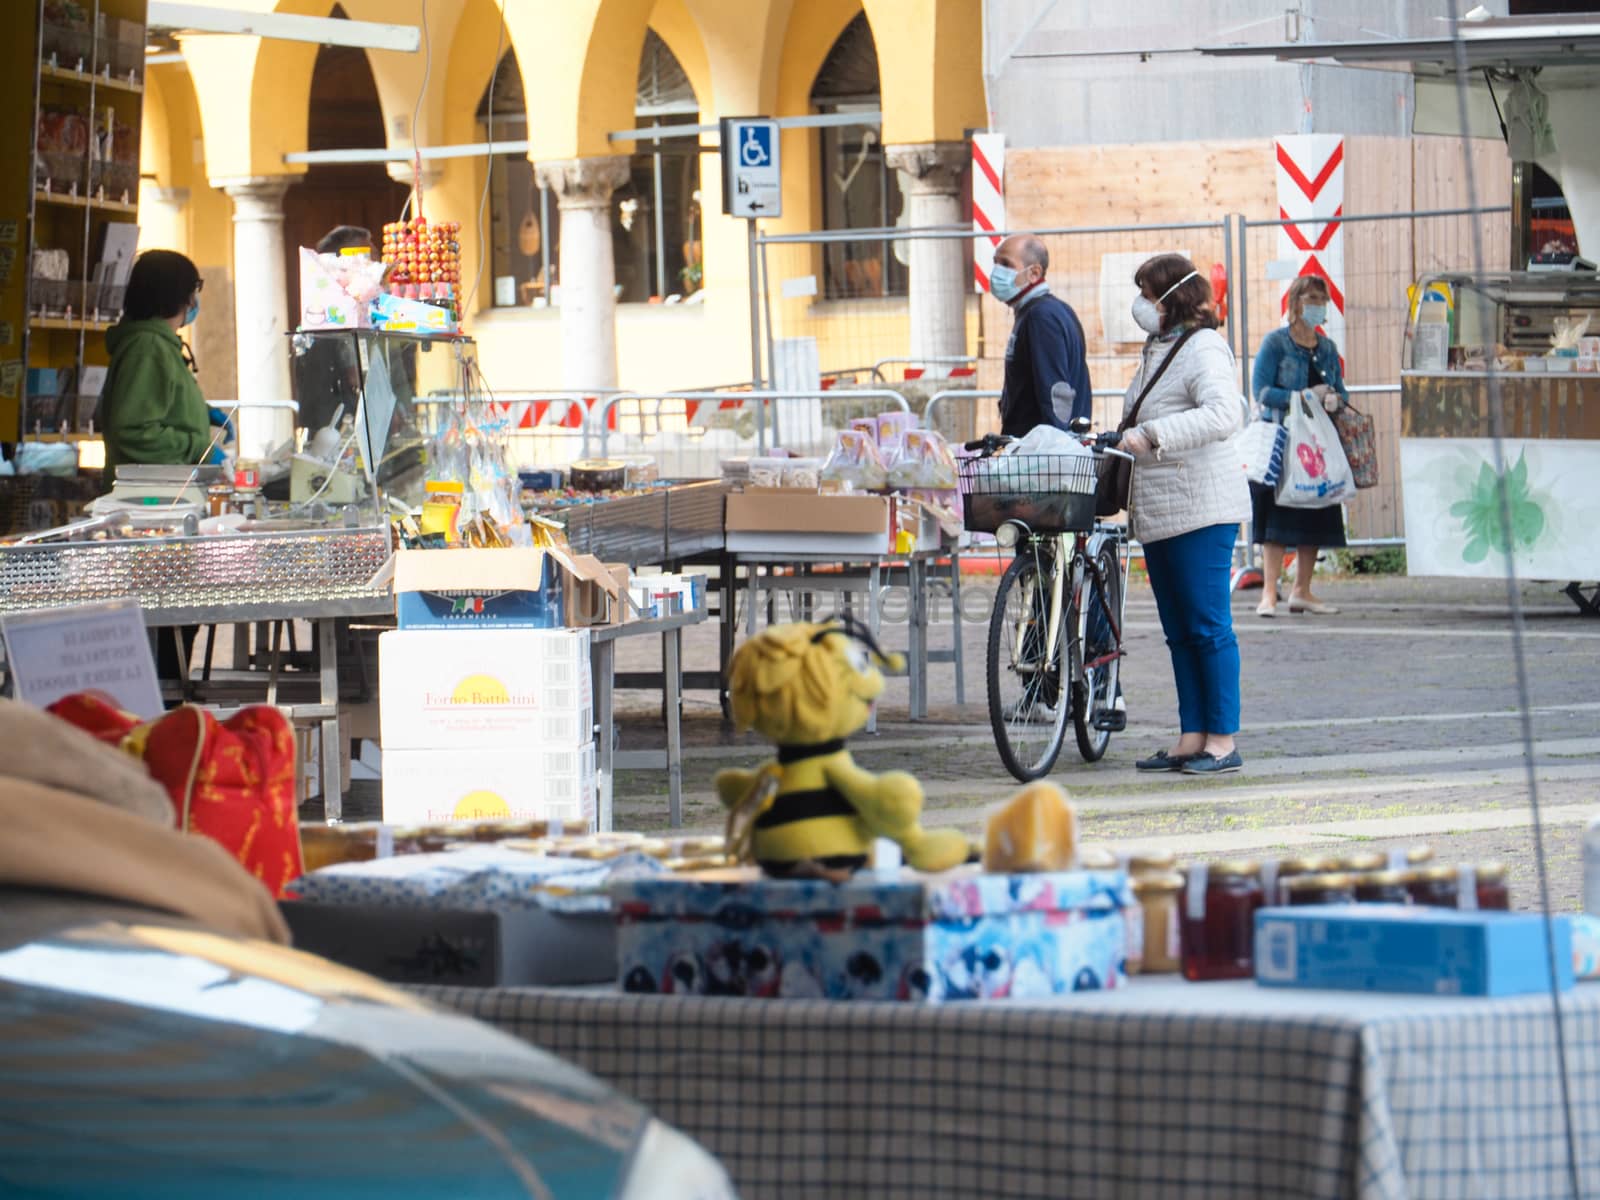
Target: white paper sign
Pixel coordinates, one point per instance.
(55, 652)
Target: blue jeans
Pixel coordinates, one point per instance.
(1189, 575)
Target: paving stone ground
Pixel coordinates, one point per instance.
(1393, 723)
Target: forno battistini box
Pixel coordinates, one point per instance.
(1390, 948)
(962, 935)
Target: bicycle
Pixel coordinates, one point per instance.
(1055, 635)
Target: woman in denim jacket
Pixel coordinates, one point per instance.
(1293, 360)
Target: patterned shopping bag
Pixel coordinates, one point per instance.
(1360, 444)
(231, 781)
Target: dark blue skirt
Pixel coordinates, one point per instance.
(1273, 522)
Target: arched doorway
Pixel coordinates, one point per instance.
(859, 189)
(345, 114)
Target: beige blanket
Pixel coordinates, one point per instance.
(78, 816)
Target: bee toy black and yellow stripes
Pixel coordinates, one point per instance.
(812, 811)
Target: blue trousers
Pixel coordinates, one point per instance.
(1189, 575)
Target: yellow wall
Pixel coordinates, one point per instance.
(246, 101)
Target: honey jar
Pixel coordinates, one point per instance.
(1218, 942)
(1158, 949)
(1152, 863)
(1096, 858)
(1364, 862)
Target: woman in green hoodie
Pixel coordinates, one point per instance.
(152, 409)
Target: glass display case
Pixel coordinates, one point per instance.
(364, 385)
(1500, 427)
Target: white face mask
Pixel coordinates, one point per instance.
(1145, 313)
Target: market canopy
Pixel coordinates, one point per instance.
(1530, 80)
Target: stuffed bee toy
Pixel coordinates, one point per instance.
(812, 812)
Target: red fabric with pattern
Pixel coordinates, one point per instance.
(232, 781)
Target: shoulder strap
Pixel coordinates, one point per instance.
(1133, 413)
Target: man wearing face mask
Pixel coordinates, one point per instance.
(151, 406)
(1047, 376)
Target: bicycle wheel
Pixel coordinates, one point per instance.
(1026, 705)
(1095, 689)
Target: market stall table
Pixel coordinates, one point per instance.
(602, 660)
(1200, 1091)
(867, 575)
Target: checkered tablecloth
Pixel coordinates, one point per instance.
(1165, 1089)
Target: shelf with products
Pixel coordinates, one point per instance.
(90, 79)
(91, 202)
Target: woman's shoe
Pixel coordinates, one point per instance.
(1266, 610)
(1312, 606)
(1162, 761)
(1210, 764)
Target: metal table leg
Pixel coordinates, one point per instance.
(955, 623)
(917, 577)
(755, 599)
(672, 687)
(601, 659)
(874, 572)
(328, 668)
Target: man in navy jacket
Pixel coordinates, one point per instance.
(1046, 346)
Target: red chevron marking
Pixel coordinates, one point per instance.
(1311, 187)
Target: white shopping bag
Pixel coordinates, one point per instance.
(1263, 446)
(1315, 470)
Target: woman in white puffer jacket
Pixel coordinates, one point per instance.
(1189, 495)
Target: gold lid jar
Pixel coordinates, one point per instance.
(1309, 864)
(1096, 858)
(1491, 872)
(1366, 860)
(1152, 862)
(1234, 868)
(1151, 885)
(1419, 855)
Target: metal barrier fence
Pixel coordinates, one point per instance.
(1092, 269)
(689, 434)
(542, 428)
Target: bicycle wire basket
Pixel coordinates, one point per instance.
(1050, 493)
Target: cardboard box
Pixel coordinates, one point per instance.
(1389, 948)
(506, 589)
(525, 948)
(778, 520)
(440, 689)
(593, 601)
(958, 936)
(426, 787)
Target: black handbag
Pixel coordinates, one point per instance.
(1112, 489)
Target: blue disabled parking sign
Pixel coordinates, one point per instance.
(752, 183)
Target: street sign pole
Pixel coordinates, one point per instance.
(752, 188)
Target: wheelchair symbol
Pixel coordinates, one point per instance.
(753, 149)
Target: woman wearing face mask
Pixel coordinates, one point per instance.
(1188, 498)
(151, 407)
(1294, 360)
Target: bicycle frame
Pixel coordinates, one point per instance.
(1057, 595)
(1078, 558)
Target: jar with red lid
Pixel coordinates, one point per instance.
(1493, 892)
(1218, 942)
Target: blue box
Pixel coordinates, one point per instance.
(44, 381)
(1394, 948)
(478, 589)
(957, 936)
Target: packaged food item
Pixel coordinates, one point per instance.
(1218, 925)
(1037, 830)
(1382, 887)
(1436, 887)
(1157, 948)
(1492, 890)
(855, 462)
(1332, 888)
(767, 472)
(893, 426)
(925, 461)
(802, 473)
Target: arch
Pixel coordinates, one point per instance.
(675, 25)
(582, 97)
(933, 82)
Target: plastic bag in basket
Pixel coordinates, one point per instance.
(925, 462)
(855, 462)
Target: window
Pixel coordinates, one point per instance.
(655, 214)
(859, 190)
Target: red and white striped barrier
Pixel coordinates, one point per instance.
(988, 202)
(1311, 194)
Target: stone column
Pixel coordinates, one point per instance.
(261, 306)
(587, 281)
(930, 177)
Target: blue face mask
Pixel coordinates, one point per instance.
(193, 314)
(1314, 314)
(1003, 283)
